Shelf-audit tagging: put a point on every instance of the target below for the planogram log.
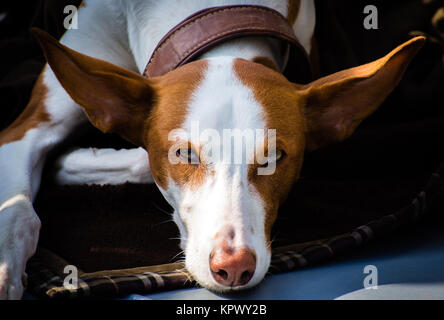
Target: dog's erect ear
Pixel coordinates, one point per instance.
(114, 99)
(337, 104)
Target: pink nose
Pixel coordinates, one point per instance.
(232, 267)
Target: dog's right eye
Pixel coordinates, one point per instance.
(187, 155)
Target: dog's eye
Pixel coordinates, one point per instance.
(187, 155)
(280, 154)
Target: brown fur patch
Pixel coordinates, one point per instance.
(34, 114)
(173, 91)
(283, 112)
(293, 10)
(266, 62)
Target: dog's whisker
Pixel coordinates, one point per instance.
(175, 238)
(177, 255)
(163, 222)
(160, 209)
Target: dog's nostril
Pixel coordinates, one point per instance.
(245, 277)
(223, 274)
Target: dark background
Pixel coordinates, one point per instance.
(376, 172)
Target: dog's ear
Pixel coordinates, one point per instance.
(337, 104)
(114, 99)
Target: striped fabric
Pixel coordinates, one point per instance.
(45, 283)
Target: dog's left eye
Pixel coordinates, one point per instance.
(188, 155)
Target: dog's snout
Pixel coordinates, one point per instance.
(231, 267)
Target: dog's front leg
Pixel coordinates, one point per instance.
(47, 119)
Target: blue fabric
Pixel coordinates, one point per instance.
(403, 291)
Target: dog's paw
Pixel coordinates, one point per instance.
(19, 232)
(11, 283)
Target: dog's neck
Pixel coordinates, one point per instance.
(149, 22)
(252, 49)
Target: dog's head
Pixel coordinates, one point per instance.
(226, 139)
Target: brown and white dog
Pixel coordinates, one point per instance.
(224, 211)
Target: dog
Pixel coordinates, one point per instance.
(224, 211)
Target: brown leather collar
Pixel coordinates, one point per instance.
(211, 26)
